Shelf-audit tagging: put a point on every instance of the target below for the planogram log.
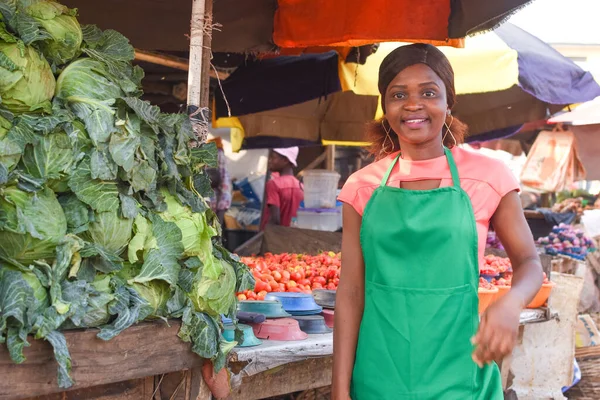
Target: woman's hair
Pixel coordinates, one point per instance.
(395, 62)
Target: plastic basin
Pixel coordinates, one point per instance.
(270, 308)
(313, 324)
(294, 302)
(250, 339)
(284, 329)
(328, 315)
(502, 291)
(486, 297)
(324, 298)
(542, 295)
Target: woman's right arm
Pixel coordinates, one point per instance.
(350, 299)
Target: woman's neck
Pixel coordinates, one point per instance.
(424, 151)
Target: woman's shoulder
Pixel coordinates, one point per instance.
(371, 175)
(361, 184)
(477, 166)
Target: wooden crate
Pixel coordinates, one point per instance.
(588, 359)
(280, 239)
(146, 361)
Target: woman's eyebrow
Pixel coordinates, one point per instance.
(420, 84)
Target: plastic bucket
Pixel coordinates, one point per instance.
(320, 188)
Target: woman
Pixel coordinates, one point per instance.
(415, 227)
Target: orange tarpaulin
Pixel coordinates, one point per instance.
(305, 23)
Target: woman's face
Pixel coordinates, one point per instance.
(416, 107)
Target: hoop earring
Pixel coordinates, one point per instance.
(387, 137)
(449, 131)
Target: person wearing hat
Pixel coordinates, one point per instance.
(414, 232)
(284, 192)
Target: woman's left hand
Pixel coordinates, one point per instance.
(498, 330)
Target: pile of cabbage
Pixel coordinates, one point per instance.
(103, 218)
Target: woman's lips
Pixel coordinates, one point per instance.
(415, 123)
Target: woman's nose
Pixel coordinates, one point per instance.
(413, 103)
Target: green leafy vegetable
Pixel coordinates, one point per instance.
(26, 80)
(33, 225)
(62, 27)
(103, 221)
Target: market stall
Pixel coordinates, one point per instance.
(114, 319)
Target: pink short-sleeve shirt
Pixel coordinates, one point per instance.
(486, 181)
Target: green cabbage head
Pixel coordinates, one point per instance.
(26, 80)
(31, 225)
(60, 22)
(10, 151)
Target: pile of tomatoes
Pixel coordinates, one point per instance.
(287, 272)
(494, 265)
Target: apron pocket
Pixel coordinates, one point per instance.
(419, 339)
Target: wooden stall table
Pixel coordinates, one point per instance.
(146, 361)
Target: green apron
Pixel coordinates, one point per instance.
(421, 304)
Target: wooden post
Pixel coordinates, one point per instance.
(331, 157)
(207, 54)
(196, 53)
(198, 74)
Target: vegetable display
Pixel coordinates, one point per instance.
(101, 224)
(568, 241)
(292, 273)
(494, 265)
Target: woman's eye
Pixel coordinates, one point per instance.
(398, 95)
(429, 93)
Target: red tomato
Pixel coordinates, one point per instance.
(251, 296)
(317, 286)
(281, 287)
(261, 295)
(290, 285)
(277, 276)
(285, 276)
(331, 286)
(303, 282)
(261, 285)
(242, 297)
(320, 279)
(274, 286)
(294, 290)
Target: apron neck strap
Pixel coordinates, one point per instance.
(451, 164)
(389, 170)
(453, 169)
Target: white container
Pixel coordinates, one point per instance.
(325, 219)
(320, 188)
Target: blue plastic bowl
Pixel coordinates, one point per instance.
(489, 278)
(293, 302)
(249, 338)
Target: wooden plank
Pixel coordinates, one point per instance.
(143, 350)
(303, 375)
(587, 353)
(129, 390)
(529, 214)
(281, 239)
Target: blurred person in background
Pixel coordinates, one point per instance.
(284, 192)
